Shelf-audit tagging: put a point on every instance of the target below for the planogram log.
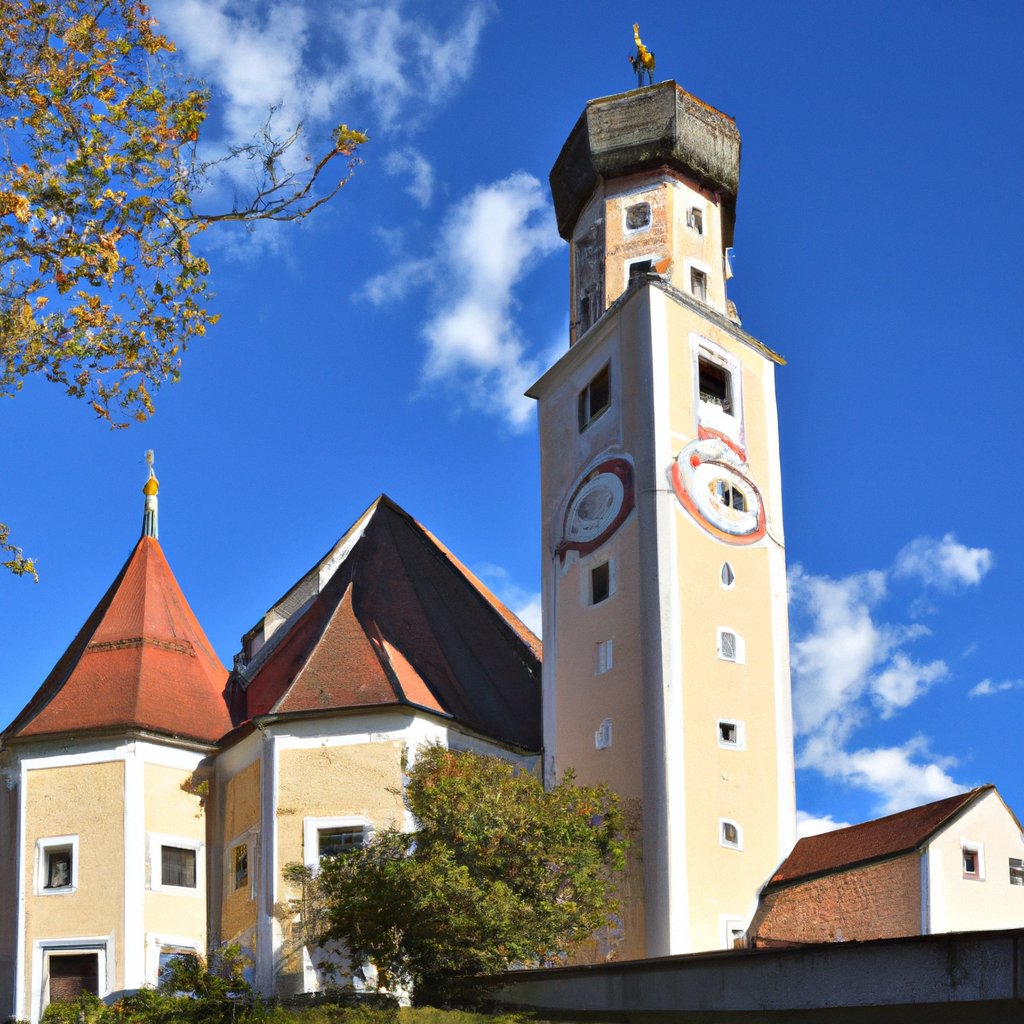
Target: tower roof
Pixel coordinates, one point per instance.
(141, 661)
(390, 617)
(658, 126)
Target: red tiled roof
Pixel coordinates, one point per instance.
(871, 840)
(141, 661)
(400, 621)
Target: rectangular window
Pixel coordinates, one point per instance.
(730, 734)
(600, 583)
(728, 646)
(336, 842)
(715, 385)
(730, 834)
(1016, 871)
(695, 219)
(178, 866)
(595, 397)
(971, 856)
(240, 857)
(699, 284)
(603, 657)
(57, 870)
(603, 736)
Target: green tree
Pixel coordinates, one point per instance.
(497, 872)
(100, 183)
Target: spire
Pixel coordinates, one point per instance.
(150, 489)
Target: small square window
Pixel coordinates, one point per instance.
(603, 736)
(178, 866)
(730, 834)
(600, 583)
(595, 397)
(240, 858)
(729, 734)
(1016, 871)
(57, 870)
(695, 219)
(638, 216)
(337, 842)
(699, 284)
(603, 657)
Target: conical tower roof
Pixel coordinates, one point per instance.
(140, 662)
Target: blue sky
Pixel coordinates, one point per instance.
(383, 345)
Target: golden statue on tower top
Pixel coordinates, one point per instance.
(643, 62)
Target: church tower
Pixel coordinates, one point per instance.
(666, 667)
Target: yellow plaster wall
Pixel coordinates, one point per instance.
(87, 801)
(241, 815)
(328, 781)
(171, 811)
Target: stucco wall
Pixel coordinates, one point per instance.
(990, 901)
(876, 901)
(240, 816)
(86, 800)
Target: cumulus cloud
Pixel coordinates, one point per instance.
(987, 687)
(367, 63)
(488, 242)
(852, 667)
(815, 825)
(943, 564)
(415, 168)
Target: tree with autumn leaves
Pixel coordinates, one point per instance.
(101, 284)
(497, 871)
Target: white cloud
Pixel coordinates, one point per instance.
(851, 667)
(416, 169)
(943, 564)
(901, 776)
(986, 687)
(489, 241)
(812, 825)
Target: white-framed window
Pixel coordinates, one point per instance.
(332, 837)
(161, 948)
(699, 284)
(600, 582)
(240, 865)
(729, 645)
(56, 868)
(730, 834)
(719, 392)
(731, 734)
(637, 268)
(603, 657)
(695, 219)
(176, 865)
(733, 932)
(636, 217)
(603, 736)
(596, 397)
(728, 576)
(1016, 871)
(972, 858)
(64, 968)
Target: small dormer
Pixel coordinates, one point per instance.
(647, 184)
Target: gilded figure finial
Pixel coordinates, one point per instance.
(643, 62)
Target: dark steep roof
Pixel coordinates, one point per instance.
(141, 661)
(390, 617)
(871, 840)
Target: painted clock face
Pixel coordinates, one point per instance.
(709, 477)
(597, 507)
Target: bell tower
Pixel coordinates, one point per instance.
(666, 668)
